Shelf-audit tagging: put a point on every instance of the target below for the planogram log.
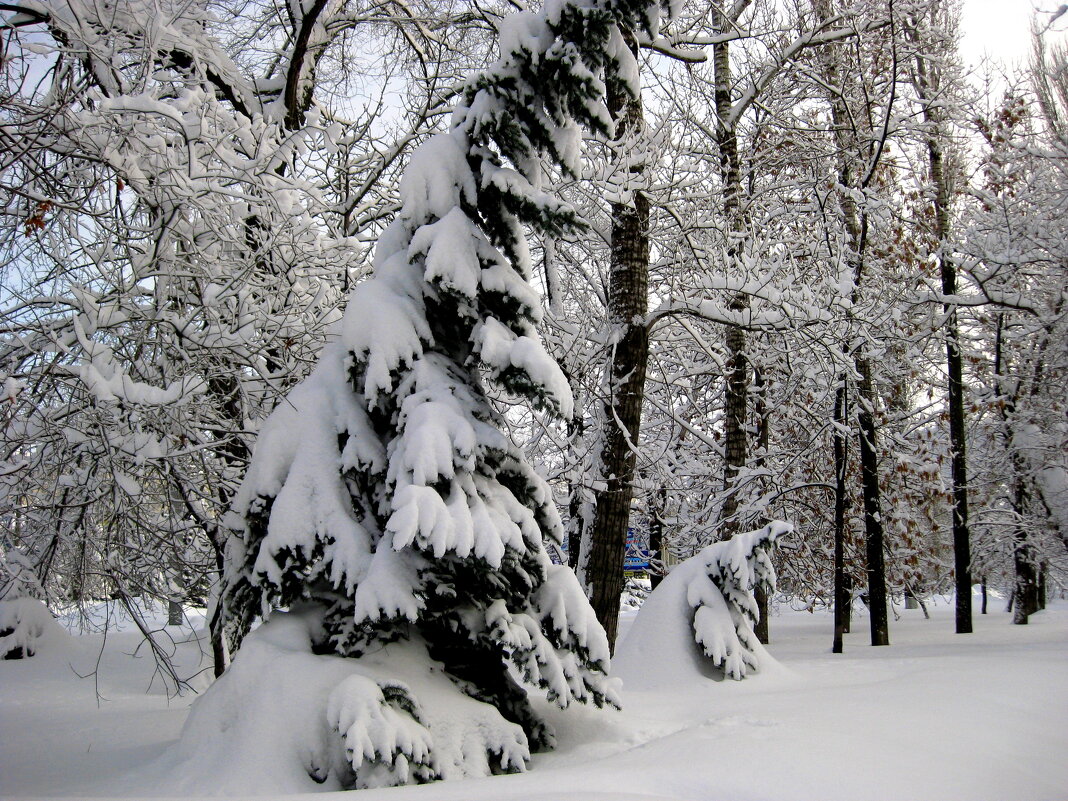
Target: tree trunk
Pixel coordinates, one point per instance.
(735, 397)
(627, 308)
(576, 528)
(1026, 591)
(763, 438)
(174, 613)
(873, 521)
(1023, 557)
(842, 595)
(961, 540)
(1024, 599)
(656, 535)
(737, 385)
(847, 142)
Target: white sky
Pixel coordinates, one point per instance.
(1000, 29)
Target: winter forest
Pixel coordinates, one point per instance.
(533, 400)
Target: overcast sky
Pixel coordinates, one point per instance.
(1001, 28)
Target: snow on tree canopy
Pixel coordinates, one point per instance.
(383, 491)
(708, 601)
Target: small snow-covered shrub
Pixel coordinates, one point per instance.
(24, 619)
(700, 619)
(722, 596)
(23, 623)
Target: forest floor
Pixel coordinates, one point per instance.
(934, 716)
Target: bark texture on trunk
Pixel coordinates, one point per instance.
(735, 399)
(1024, 599)
(842, 596)
(763, 438)
(656, 534)
(627, 307)
(959, 465)
(1026, 590)
(873, 519)
(850, 146)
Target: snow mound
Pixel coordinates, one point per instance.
(285, 720)
(26, 625)
(698, 624)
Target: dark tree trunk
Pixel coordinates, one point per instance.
(855, 220)
(737, 385)
(574, 534)
(234, 449)
(873, 522)
(219, 655)
(983, 586)
(656, 535)
(761, 629)
(962, 558)
(1024, 599)
(627, 307)
(575, 523)
(1027, 578)
(842, 595)
(763, 438)
(1026, 591)
(959, 471)
(847, 613)
(734, 426)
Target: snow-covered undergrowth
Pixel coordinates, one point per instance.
(24, 622)
(283, 719)
(699, 621)
(934, 716)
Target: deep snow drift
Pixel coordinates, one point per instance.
(934, 716)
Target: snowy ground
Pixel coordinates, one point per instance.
(935, 716)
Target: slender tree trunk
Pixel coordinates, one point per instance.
(847, 613)
(219, 654)
(962, 558)
(842, 595)
(656, 534)
(226, 393)
(1027, 578)
(955, 390)
(763, 438)
(576, 528)
(847, 142)
(1023, 601)
(627, 308)
(873, 520)
(1026, 591)
(737, 385)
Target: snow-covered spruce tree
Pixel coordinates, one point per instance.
(383, 491)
